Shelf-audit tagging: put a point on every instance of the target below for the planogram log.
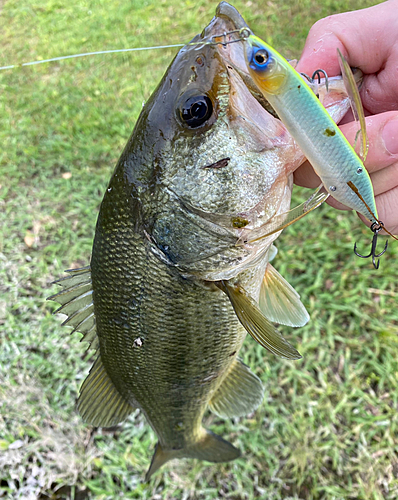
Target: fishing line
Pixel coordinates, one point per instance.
(61, 58)
(212, 41)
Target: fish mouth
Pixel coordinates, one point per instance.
(225, 28)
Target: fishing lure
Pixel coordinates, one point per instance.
(342, 172)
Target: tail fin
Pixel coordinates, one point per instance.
(209, 447)
(212, 448)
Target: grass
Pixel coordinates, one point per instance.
(328, 426)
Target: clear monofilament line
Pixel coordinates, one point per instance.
(115, 51)
(136, 49)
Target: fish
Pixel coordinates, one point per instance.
(172, 288)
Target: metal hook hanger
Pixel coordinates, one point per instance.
(375, 227)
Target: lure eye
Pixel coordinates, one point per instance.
(196, 110)
(261, 57)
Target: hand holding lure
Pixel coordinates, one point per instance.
(333, 158)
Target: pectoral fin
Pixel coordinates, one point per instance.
(279, 301)
(284, 220)
(256, 323)
(100, 404)
(240, 393)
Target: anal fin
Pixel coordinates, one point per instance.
(279, 301)
(100, 404)
(256, 324)
(240, 393)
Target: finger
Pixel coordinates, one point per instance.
(388, 209)
(305, 176)
(368, 39)
(365, 37)
(381, 161)
(384, 180)
(382, 131)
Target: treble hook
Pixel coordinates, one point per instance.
(307, 77)
(318, 73)
(375, 227)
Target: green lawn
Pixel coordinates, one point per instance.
(328, 426)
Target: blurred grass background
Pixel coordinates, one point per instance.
(328, 426)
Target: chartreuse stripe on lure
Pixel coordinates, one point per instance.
(331, 155)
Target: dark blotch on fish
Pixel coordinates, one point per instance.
(219, 164)
(239, 222)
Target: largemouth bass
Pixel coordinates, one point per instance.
(169, 294)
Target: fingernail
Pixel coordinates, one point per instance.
(390, 136)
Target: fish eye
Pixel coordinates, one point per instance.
(196, 110)
(261, 57)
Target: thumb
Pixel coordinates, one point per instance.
(368, 38)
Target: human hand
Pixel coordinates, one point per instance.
(368, 39)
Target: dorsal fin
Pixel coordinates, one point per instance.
(76, 299)
(240, 393)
